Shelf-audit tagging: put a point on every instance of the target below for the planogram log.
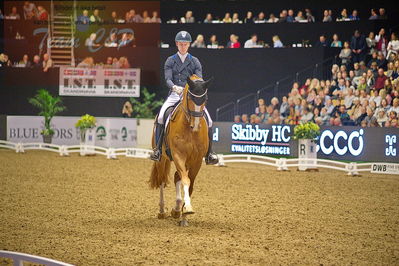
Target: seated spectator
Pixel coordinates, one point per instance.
(393, 46)
(127, 109)
(42, 14)
(370, 118)
(146, 18)
(30, 10)
(362, 84)
(252, 43)
(124, 63)
(260, 103)
(155, 18)
(299, 17)
(322, 41)
(227, 18)
(108, 63)
(244, 119)
(374, 58)
(91, 41)
(381, 62)
(112, 41)
(285, 107)
(326, 16)
(252, 119)
(235, 18)
(14, 14)
(47, 62)
(373, 14)
(36, 62)
(382, 14)
(325, 118)
(309, 16)
(249, 18)
(293, 118)
(395, 106)
(84, 18)
(260, 18)
(346, 54)
(275, 103)
(262, 113)
(283, 16)
(213, 42)
(336, 42)
(188, 18)
(115, 63)
(88, 62)
(127, 40)
(132, 17)
(233, 43)
(208, 18)
(276, 42)
(371, 43)
(380, 81)
(237, 119)
(115, 18)
(199, 42)
(307, 116)
(343, 16)
(275, 118)
(290, 16)
(95, 18)
(354, 15)
(272, 19)
(25, 61)
(382, 41)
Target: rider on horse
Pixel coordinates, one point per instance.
(178, 68)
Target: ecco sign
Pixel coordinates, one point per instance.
(341, 143)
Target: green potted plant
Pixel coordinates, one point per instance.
(146, 107)
(49, 106)
(307, 134)
(85, 123)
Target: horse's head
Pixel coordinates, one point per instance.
(195, 97)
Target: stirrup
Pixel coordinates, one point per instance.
(156, 155)
(211, 159)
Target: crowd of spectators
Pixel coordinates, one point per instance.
(285, 16)
(359, 93)
(43, 63)
(32, 12)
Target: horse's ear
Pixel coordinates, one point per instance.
(190, 83)
(208, 82)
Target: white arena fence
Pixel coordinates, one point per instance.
(20, 258)
(282, 164)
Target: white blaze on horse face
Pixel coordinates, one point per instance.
(187, 201)
(196, 119)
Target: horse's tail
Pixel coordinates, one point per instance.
(160, 173)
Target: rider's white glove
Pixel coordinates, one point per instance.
(177, 89)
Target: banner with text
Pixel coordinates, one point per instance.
(110, 132)
(104, 82)
(337, 143)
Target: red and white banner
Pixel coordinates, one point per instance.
(104, 82)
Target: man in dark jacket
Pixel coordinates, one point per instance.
(358, 46)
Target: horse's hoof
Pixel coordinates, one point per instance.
(175, 214)
(163, 215)
(183, 223)
(188, 210)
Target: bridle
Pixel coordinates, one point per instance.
(198, 100)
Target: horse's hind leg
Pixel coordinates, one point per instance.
(162, 213)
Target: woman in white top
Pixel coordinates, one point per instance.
(393, 45)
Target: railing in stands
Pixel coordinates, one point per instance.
(247, 103)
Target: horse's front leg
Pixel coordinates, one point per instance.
(162, 213)
(176, 211)
(180, 162)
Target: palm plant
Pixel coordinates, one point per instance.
(49, 106)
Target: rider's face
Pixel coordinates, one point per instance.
(183, 47)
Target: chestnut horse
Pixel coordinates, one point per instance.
(187, 138)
